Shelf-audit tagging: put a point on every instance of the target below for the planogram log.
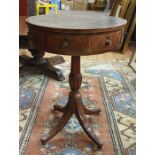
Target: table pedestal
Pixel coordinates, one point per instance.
(45, 66)
(74, 106)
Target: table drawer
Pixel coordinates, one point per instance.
(65, 44)
(85, 44)
(105, 42)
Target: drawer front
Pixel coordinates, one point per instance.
(36, 39)
(65, 44)
(74, 45)
(105, 42)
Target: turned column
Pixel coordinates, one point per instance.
(75, 77)
(74, 106)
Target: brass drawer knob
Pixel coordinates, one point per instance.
(64, 44)
(108, 42)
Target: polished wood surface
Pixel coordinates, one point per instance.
(76, 34)
(74, 106)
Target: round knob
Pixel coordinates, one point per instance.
(108, 42)
(64, 44)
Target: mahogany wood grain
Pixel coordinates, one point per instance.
(75, 33)
(74, 106)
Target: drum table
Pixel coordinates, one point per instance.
(75, 33)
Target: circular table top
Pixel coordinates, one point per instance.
(82, 21)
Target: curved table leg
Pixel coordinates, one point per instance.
(91, 111)
(65, 108)
(61, 124)
(86, 110)
(74, 106)
(59, 108)
(84, 124)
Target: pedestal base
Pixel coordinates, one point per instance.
(45, 66)
(74, 106)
